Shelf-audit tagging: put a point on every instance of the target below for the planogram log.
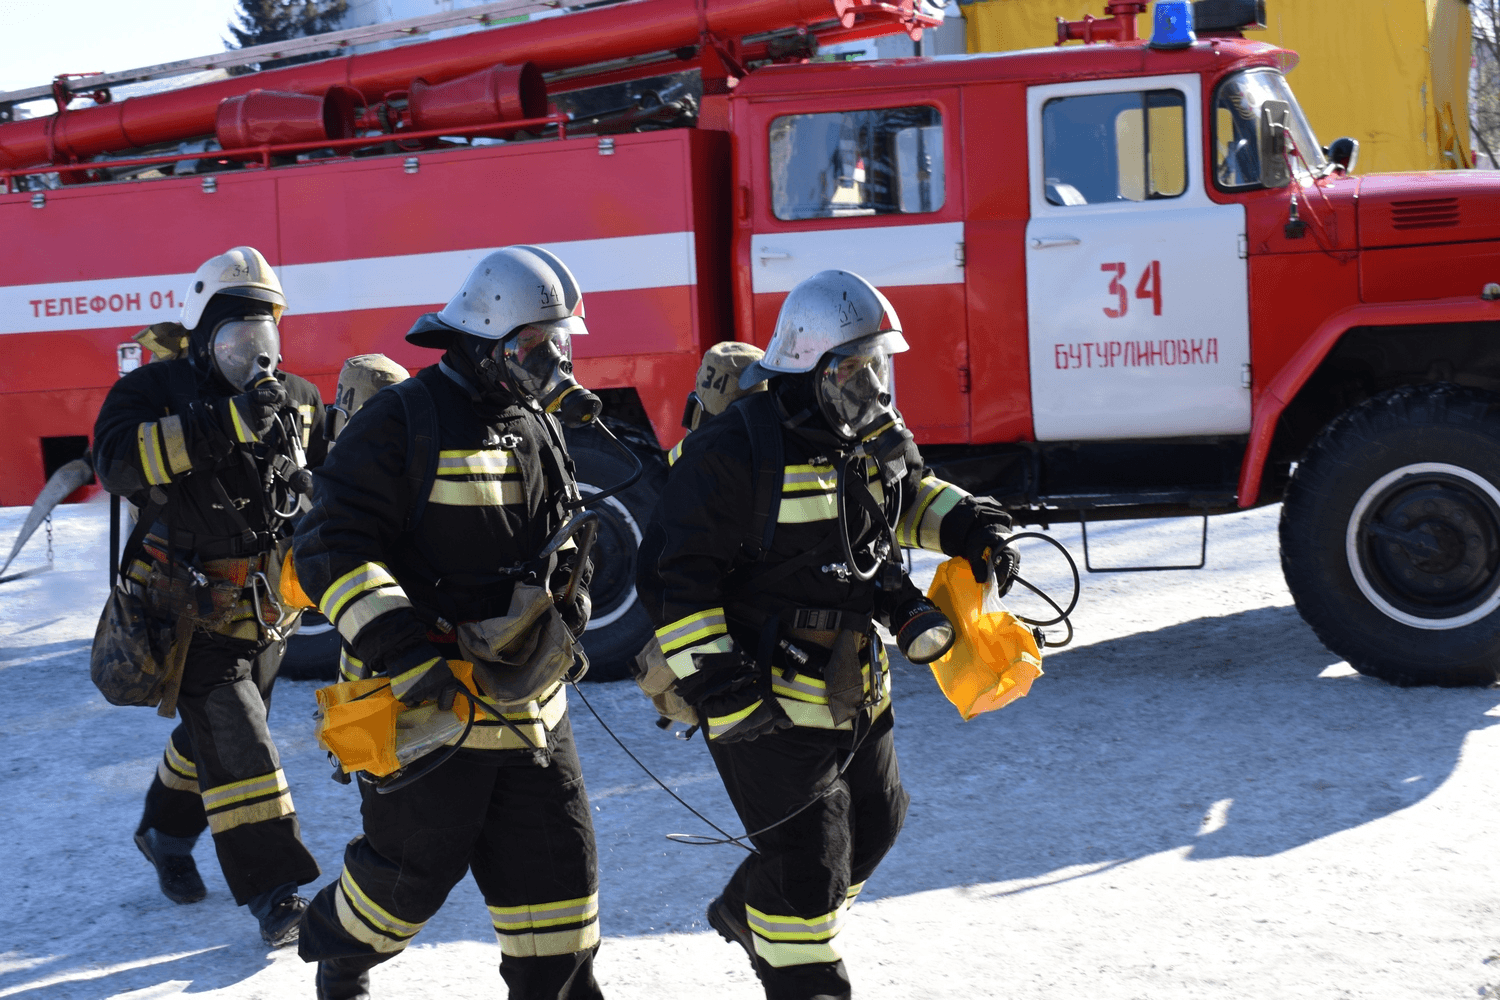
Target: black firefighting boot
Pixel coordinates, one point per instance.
(172, 857)
(732, 928)
(278, 911)
(343, 979)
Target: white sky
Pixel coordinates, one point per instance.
(41, 38)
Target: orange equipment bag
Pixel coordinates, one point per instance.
(367, 729)
(290, 587)
(995, 657)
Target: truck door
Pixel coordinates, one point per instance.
(1136, 282)
(873, 188)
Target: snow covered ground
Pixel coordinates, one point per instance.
(1197, 800)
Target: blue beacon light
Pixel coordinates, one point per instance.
(1173, 26)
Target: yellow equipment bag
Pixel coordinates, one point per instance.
(995, 658)
(367, 729)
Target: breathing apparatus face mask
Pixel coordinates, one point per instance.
(854, 392)
(245, 351)
(536, 360)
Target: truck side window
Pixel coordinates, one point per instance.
(1115, 147)
(880, 162)
(1237, 124)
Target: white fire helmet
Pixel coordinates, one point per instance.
(825, 313)
(510, 288)
(241, 272)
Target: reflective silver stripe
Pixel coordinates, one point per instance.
(253, 812)
(493, 461)
(370, 607)
(676, 452)
(534, 721)
(368, 922)
(176, 771)
(693, 629)
(541, 929)
(526, 917)
(808, 477)
(366, 576)
(802, 687)
(177, 762)
(153, 460)
(175, 443)
(814, 716)
(221, 796)
(477, 492)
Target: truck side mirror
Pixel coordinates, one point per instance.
(1343, 153)
(1275, 172)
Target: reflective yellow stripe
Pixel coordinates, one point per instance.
(920, 526)
(404, 681)
(805, 510)
(786, 940)
(370, 607)
(682, 663)
(365, 576)
(808, 477)
(492, 461)
(176, 771)
(242, 431)
(239, 791)
(351, 667)
(718, 725)
(803, 687)
(814, 716)
(853, 893)
(691, 630)
(519, 929)
(367, 921)
(254, 812)
(177, 762)
(175, 443)
(153, 460)
(676, 452)
(476, 492)
(534, 721)
(305, 411)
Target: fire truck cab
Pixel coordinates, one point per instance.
(1133, 281)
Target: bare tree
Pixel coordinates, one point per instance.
(258, 22)
(1484, 96)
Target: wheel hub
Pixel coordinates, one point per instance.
(1425, 545)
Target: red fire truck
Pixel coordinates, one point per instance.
(1134, 283)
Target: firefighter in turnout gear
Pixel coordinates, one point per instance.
(428, 517)
(765, 585)
(212, 448)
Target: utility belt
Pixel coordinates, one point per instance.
(236, 596)
(215, 546)
(819, 656)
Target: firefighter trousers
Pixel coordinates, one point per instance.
(526, 834)
(221, 769)
(796, 891)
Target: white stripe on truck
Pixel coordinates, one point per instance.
(613, 264)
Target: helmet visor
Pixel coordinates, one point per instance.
(855, 389)
(245, 351)
(539, 356)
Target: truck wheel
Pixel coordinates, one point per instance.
(618, 627)
(312, 653)
(1390, 536)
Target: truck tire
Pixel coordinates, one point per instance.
(618, 627)
(312, 652)
(1390, 536)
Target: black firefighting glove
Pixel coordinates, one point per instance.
(732, 705)
(985, 545)
(396, 645)
(247, 418)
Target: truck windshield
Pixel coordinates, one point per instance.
(1237, 119)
